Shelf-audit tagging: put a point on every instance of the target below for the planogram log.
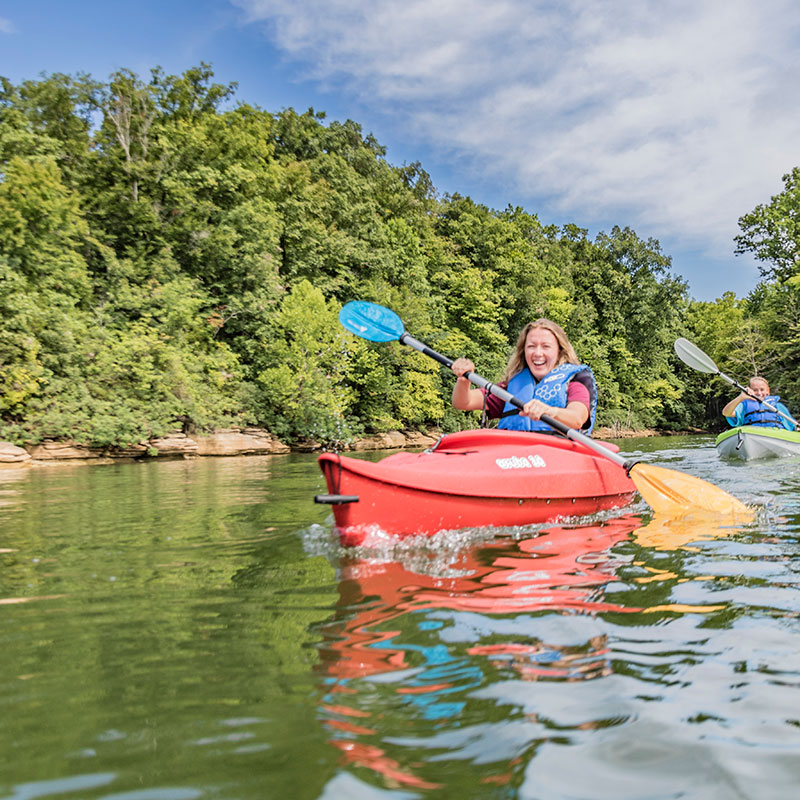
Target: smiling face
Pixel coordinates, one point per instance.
(759, 387)
(541, 351)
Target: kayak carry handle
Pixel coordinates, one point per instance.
(335, 499)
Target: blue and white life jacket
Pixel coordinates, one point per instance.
(552, 390)
(754, 413)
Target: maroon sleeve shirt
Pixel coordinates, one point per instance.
(577, 391)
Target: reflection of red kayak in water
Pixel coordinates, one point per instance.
(413, 655)
(385, 614)
(536, 661)
(561, 569)
(472, 479)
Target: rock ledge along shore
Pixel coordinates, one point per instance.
(224, 442)
(227, 442)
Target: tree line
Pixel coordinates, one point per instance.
(171, 258)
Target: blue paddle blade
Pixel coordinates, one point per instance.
(371, 321)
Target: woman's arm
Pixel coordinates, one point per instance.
(730, 408)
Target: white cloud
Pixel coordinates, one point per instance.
(6, 26)
(677, 116)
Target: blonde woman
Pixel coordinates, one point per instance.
(545, 374)
(749, 409)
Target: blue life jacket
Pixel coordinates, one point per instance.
(754, 413)
(552, 390)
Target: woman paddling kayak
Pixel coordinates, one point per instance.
(545, 374)
(749, 409)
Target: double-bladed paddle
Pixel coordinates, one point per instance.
(693, 356)
(664, 490)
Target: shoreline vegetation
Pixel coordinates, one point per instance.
(238, 442)
(173, 259)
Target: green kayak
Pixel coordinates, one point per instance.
(750, 442)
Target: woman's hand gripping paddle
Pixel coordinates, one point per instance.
(666, 491)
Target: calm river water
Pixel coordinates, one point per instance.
(190, 629)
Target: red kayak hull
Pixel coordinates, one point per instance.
(472, 479)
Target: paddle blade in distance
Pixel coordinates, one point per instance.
(693, 356)
(371, 321)
(667, 491)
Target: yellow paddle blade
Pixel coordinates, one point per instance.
(676, 493)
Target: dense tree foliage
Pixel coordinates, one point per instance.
(170, 258)
(772, 232)
(760, 334)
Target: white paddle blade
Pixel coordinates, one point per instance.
(693, 356)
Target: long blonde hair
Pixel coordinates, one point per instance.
(566, 353)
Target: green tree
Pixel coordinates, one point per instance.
(772, 231)
(44, 282)
(303, 390)
(772, 338)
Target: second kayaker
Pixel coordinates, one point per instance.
(748, 408)
(545, 374)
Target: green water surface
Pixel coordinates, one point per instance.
(191, 629)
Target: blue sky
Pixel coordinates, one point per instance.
(673, 117)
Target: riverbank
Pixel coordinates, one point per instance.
(227, 442)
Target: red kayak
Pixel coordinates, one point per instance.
(471, 479)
